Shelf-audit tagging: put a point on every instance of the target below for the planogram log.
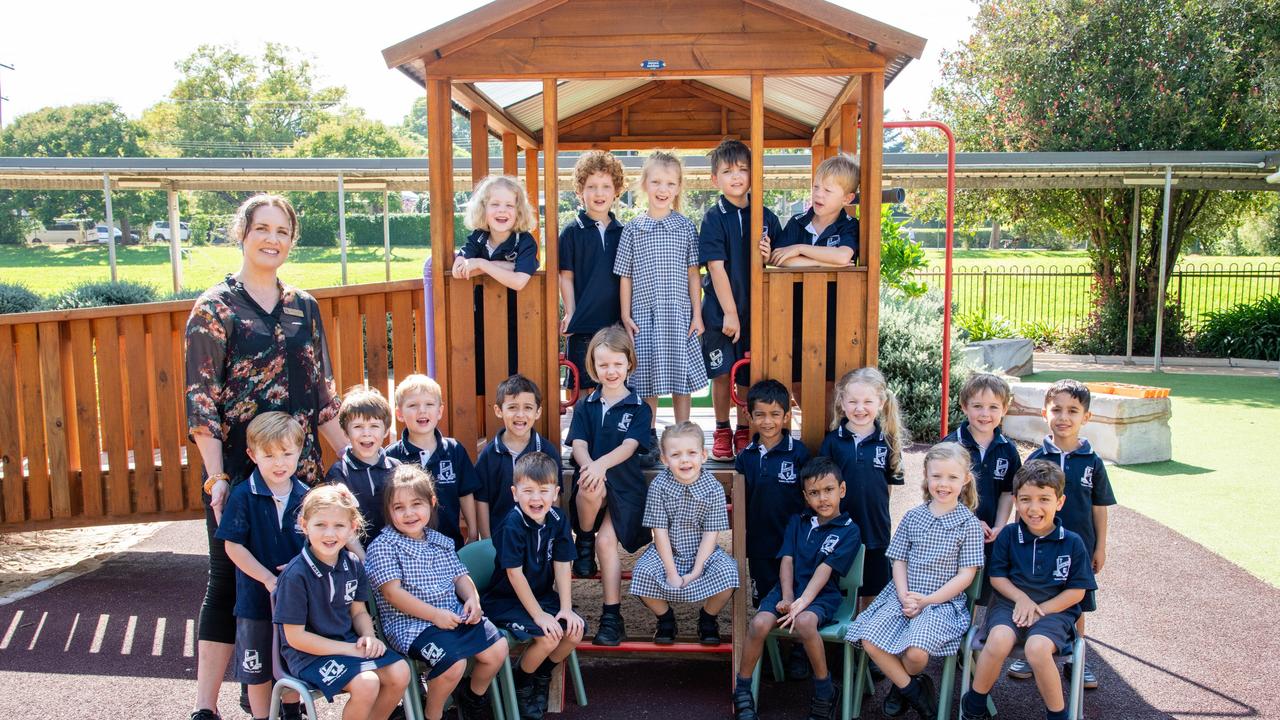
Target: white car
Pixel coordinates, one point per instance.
(159, 231)
(99, 234)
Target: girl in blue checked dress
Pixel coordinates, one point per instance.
(429, 606)
(936, 552)
(661, 293)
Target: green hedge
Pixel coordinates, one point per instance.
(366, 230)
(1248, 330)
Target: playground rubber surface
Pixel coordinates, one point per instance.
(1181, 633)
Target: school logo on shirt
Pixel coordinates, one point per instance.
(252, 661)
(331, 671)
(829, 544)
(1002, 467)
(882, 456)
(511, 256)
(433, 654)
(1062, 570)
(1086, 480)
(446, 474)
(787, 472)
(349, 593)
(716, 357)
(833, 241)
(624, 423)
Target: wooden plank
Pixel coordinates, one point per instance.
(848, 128)
(496, 358)
(13, 507)
(194, 463)
(813, 359)
(419, 302)
(601, 17)
(31, 405)
(842, 23)
(531, 310)
(374, 309)
(548, 335)
(66, 376)
(470, 97)
(402, 334)
(701, 89)
(851, 305)
(510, 155)
(470, 27)
(759, 339)
(350, 343)
(869, 212)
(331, 343)
(531, 189)
(739, 619)
(111, 404)
(458, 345)
(86, 418)
(479, 146)
(141, 441)
(674, 143)
(440, 170)
(166, 386)
(611, 106)
(778, 336)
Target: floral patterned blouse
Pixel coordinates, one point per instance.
(243, 361)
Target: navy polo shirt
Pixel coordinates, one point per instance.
(318, 597)
(1087, 486)
(865, 467)
(249, 518)
(589, 256)
(993, 470)
(810, 544)
(774, 493)
(724, 236)
(519, 542)
(1042, 567)
(455, 478)
(495, 469)
(604, 430)
(519, 248)
(365, 481)
(842, 232)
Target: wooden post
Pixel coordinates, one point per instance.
(848, 128)
(869, 215)
(440, 176)
(757, 228)
(551, 255)
(531, 187)
(738, 523)
(510, 155)
(817, 153)
(479, 146)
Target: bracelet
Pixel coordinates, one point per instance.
(214, 479)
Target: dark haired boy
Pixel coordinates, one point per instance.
(1040, 572)
(519, 405)
(819, 547)
(725, 247)
(1088, 490)
(364, 467)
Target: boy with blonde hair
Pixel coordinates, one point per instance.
(824, 235)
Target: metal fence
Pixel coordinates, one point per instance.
(1060, 297)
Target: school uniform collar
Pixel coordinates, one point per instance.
(535, 443)
(958, 516)
(727, 207)
(759, 447)
(504, 248)
(844, 433)
(1050, 449)
(552, 514)
(429, 537)
(1025, 535)
(258, 485)
(320, 568)
(354, 463)
(596, 396)
(840, 520)
(806, 219)
(965, 438)
(584, 221)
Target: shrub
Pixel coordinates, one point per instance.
(1248, 330)
(98, 294)
(187, 293)
(911, 359)
(900, 258)
(319, 230)
(1106, 329)
(17, 298)
(1041, 333)
(975, 327)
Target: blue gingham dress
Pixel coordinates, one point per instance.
(685, 512)
(657, 255)
(935, 548)
(426, 568)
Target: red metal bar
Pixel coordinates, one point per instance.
(573, 391)
(733, 385)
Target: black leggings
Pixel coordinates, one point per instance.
(217, 613)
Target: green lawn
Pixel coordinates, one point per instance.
(1217, 488)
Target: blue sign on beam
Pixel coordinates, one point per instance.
(653, 64)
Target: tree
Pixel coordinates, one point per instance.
(353, 136)
(415, 127)
(1066, 75)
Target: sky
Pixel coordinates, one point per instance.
(74, 51)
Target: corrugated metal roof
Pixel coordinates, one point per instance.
(574, 96)
(506, 94)
(805, 99)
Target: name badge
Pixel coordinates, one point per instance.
(294, 312)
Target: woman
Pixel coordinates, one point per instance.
(254, 344)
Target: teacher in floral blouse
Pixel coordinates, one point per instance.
(254, 345)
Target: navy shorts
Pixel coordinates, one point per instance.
(510, 615)
(719, 353)
(440, 649)
(824, 606)
(875, 573)
(1058, 627)
(253, 651)
(764, 575)
(575, 351)
(330, 674)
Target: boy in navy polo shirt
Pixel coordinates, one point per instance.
(532, 592)
(260, 527)
(365, 468)
(419, 407)
(1040, 572)
(818, 548)
(724, 248)
(588, 247)
(519, 405)
(1088, 490)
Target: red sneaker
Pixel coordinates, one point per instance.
(722, 445)
(741, 439)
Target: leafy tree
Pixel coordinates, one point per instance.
(415, 127)
(1066, 75)
(353, 136)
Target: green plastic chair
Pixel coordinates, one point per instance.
(833, 632)
(946, 689)
(479, 558)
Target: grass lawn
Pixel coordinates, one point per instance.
(1217, 487)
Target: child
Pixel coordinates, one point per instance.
(365, 418)
(322, 610)
(658, 262)
(725, 247)
(501, 247)
(818, 548)
(519, 406)
(936, 553)
(1087, 491)
(429, 606)
(259, 525)
(866, 441)
(531, 596)
(1037, 602)
(588, 248)
(609, 426)
(419, 407)
(687, 510)
(985, 399)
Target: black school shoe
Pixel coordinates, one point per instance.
(205, 714)
(666, 632)
(527, 701)
(649, 458)
(708, 628)
(295, 711)
(825, 708)
(966, 715)
(744, 706)
(585, 564)
(925, 700)
(542, 689)
(612, 630)
(244, 699)
(894, 704)
(471, 705)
